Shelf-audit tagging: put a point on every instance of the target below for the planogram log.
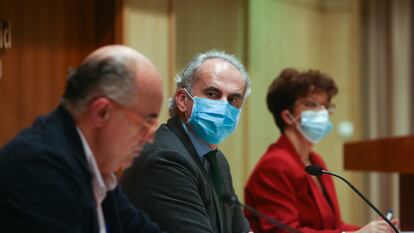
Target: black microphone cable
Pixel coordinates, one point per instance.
(315, 170)
(232, 199)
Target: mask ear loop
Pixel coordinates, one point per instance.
(186, 116)
(292, 118)
(188, 93)
(192, 98)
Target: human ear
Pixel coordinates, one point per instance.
(287, 117)
(100, 111)
(181, 100)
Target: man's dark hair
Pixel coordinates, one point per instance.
(111, 77)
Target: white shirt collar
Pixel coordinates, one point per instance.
(100, 185)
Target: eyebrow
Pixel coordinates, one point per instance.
(213, 88)
(315, 100)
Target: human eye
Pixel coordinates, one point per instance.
(212, 94)
(234, 100)
(311, 104)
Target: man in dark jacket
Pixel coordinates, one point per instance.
(58, 175)
(180, 179)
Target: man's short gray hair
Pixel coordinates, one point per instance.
(112, 77)
(187, 77)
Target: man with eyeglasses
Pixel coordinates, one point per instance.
(180, 179)
(59, 174)
(300, 103)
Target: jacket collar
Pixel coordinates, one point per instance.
(174, 124)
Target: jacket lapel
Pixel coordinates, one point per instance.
(174, 124)
(331, 200)
(325, 209)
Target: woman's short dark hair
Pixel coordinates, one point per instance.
(292, 85)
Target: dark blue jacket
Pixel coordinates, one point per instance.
(45, 184)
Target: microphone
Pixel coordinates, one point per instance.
(315, 170)
(232, 199)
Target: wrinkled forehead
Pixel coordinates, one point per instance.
(216, 65)
(219, 70)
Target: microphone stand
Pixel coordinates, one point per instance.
(365, 199)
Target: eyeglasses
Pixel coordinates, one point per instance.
(146, 128)
(311, 104)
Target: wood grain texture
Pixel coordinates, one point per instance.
(394, 154)
(406, 202)
(48, 37)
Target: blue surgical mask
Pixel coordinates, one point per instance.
(314, 125)
(213, 120)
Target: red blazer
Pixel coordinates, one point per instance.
(279, 187)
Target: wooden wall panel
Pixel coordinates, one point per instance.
(204, 25)
(148, 29)
(48, 36)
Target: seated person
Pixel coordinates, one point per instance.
(58, 175)
(300, 103)
(179, 180)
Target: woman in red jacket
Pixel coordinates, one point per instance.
(300, 103)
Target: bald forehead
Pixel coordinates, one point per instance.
(114, 52)
(130, 58)
(215, 64)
